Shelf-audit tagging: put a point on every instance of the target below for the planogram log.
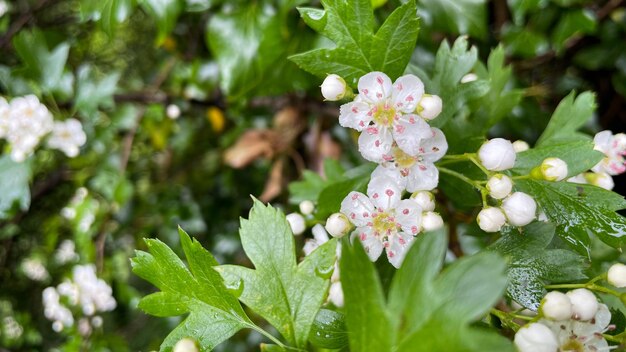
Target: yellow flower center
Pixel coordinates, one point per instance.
(384, 115)
(402, 159)
(573, 345)
(384, 224)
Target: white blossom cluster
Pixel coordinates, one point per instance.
(66, 253)
(24, 122)
(320, 236)
(84, 292)
(35, 270)
(572, 321)
(614, 162)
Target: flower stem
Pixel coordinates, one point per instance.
(461, 177)
(589, 285)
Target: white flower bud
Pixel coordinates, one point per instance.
(556, 306)
(519, 208)
(470, 77)
(497, 154)
(520, 146)
(431, 221)
(333, 88)
(296, 222)
(172, 111)
(335, 294)
(491, 219)
(186, 345)
(600, 179)
(307, 207)
(338, 225)
(554, 169)
(499, 186)
(430, 106)
(584, 304)
(617, 275)
(425, 200)
(536, 337)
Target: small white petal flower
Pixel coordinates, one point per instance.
(425, 200)
(27, 122)
(586, 336)
(430, 106)
(297, 223)
(431, 221)
(499, 186)
(584, 304)
(338, 225)
(186, 345)
(306, 207)
(535, 337)
(520, 146)
(491, 219)
(334, 88)
(617, 275)
(556, 306)
(554, 169)
(172, 111)
(614, 149)
(497, 154)
(520, 209)
(67, 136)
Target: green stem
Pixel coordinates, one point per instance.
(461, 177)
(612, 338)
(271, 337)
(473, 159)
(506, 318)
(589, 285)
(521, 177)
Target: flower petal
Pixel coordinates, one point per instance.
(371, 244)
(375, 143)
(392, 172)
(398, 247)
(435, 147)
(422, 177)
(355, 115)
(407, 92)
(384, 192)
(374, 87)
(409, 216)
(408, 132)
(358, 208)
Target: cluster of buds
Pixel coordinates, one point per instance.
(614, 162)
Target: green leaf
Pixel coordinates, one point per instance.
(524, 42)
(215, 314)
(165, 12)
(571, 114)
(532, 264)
(571, 24)
(330, 198)
(350, 24)
(286, 294)
(329, 330)
(578, 210)
(313, 184)
(579, 156)
(108, 13)
(456, 16)
(14, 188)
(93, 93)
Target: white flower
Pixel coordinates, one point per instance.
(186, 345)
(66, 252)
(383, 220)
(431, 221)
(580, 178)
(338, 225)
(418, 172)
(497, 154)
(172, 111)
(28, 122)
(67, 136)
(491, 219)
(5, 108)
(556, 306)
(614, 149)
(600, 179)
(35, 270)
(499, 186)
(520, 146)
(297, 223)
(470, 77)
(554, 169)
(334, 88)
(584, 304)
(584, 336)
(425, 200)
(535, 337)
(335, 293)
(430, 106)
(519, 208)
(617, 275)
(4, 8)
(306, 207)
(384, 114)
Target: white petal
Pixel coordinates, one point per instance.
(409, 216)
(371, 244)
(358, 208)
(435, 147)
(398, 247)
(422, 177)
(375, 143)
(392, 172)
(407, 92)
(602, 317)
(408, 132)
(384, 192)
(355, 115)
(374, 87)
(602, 141)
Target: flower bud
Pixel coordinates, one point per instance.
(307, 207)
(520, 146)
(470, 77)
(430, 106)
(338, 225)
(186, 345)
(431, 221)
(556, 306)
(296, 222)
(499, 186)
(333, 88)
(584, 304)
(425, 200)
(335, 294)
(491, 219)
(554, 169)
(172, 111)
(497, 154)
(617, 275)
(519, 208)
(600, 179)
(536, 337)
